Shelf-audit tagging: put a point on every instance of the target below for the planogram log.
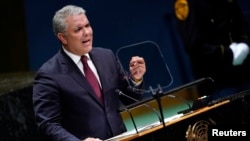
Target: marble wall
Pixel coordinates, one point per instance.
(17, 121)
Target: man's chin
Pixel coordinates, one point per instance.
(88, 49)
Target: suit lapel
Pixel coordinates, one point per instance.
(71, 69)
(98, 62)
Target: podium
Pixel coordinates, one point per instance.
(230, 110)
(157, 126)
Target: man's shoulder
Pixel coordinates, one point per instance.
(101, 50)
(53, 63)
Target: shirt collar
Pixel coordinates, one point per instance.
(74, 57)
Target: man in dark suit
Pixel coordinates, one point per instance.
(65, 104)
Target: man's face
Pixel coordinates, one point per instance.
(78, 37)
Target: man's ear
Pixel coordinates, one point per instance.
(62, 38)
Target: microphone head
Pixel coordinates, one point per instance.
(130, 88)
(118, 91)
(135, 90)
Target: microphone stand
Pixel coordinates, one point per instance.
(132, 118)
(144, 104)
(127, 110)
(157, 95)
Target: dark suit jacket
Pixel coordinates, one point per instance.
(66, 107)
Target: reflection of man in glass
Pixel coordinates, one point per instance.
(216, 37)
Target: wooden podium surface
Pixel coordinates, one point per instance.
(127, 136)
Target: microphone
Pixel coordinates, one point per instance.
(121, 93)
(133, 89)
(127, 110)
(132, 118)
(144, 104)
